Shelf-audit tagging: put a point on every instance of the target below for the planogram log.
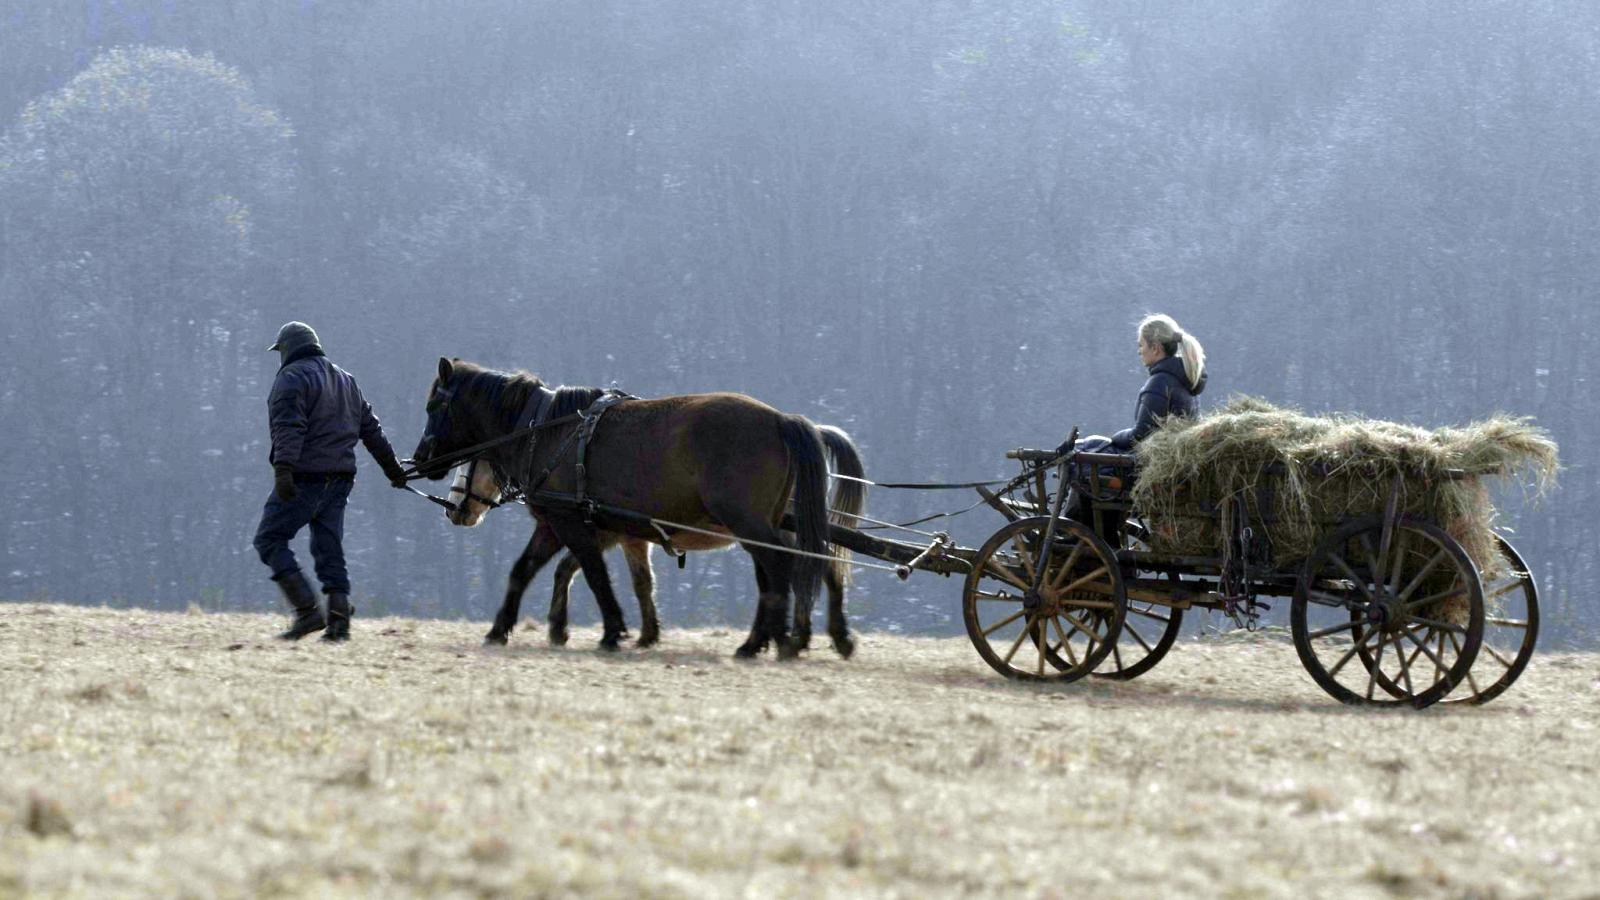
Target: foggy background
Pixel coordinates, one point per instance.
(931, 223)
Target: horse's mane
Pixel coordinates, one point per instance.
(503, 394)
(571, 399)
(506, 393)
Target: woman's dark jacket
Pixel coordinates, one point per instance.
(317, 414)
(1167, 393)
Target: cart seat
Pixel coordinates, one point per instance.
(1103, 474)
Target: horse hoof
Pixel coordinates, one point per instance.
(648, 639)
(844, 645)
(748, 651)
(609, 643)
(493, 639)
(788, 649)
(802, 639)
(558, 638)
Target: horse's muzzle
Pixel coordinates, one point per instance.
(421, 458)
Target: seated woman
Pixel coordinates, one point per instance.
(1177, 366)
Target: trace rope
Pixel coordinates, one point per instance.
(922, 485)
(589, 418)
(854, 561)
(880, 525)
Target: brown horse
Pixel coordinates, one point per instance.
(477, 487)
(722, 462)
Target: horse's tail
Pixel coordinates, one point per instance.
(808, 461)
(849, 495)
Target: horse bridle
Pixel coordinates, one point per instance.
(534, 412)
(467, 493)
(440, 400)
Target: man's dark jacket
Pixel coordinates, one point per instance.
(1167, 393)
(317, 414)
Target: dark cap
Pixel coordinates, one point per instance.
(293, 336)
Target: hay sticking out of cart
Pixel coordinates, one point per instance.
(1300, 475)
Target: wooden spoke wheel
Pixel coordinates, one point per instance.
(1148, 630)
(1405, 604)
(1510, 630)
(1062, 630)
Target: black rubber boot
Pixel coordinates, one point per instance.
(339, 613)
(303, 602)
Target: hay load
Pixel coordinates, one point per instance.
(1299, 476)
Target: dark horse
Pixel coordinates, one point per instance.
(725, 463)
(477, 487)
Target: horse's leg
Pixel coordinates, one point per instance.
(637, 553)
(566, 570)
(838, 625)
(585, 544)
(541, 547)
(773, 571)
(774, 601)
(560, 595)
(757, 641)
(802, 619)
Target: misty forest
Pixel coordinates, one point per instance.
(933, 224)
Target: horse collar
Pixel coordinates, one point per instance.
(537, 409)
(588, 422)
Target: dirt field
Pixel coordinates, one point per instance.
(156, 754)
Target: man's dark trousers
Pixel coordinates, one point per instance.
(320, 503)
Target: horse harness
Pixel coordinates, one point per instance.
(588, 421)
(534, 413)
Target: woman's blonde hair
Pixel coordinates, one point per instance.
(1163, 331)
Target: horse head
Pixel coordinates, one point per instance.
(439, 439)
(473, 493)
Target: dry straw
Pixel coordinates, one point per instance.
(1301, 475)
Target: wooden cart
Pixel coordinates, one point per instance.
(1387, 610)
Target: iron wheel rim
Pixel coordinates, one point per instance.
(1071, 628)
(1357, 598)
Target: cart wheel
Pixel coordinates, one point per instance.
(1066, 628)
(1149, 629)
(1510, 630)
(1408, 603)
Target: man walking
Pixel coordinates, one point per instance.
(316, 413)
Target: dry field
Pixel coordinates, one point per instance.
(157, 754)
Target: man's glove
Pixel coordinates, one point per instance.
(283, 483)
(392, 471)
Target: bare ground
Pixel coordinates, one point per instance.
(158, 754)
